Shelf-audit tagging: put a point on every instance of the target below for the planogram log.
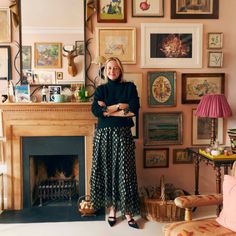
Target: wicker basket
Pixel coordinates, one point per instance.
(85, 206)
(161, 210)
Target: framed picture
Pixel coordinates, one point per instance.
(22, 93)
(135, 128)
(5, 63)
(215, 40)
(110, 11)
(59, 75)
(137, 79)
(117, 42)
(192, 9)
(195, 85)
(53, 90)
(215, 59)
(151, 8)
(161, 88)
(201, 129)
(162, 128)
(180, 156)
(47, 55)
(5, 22)
(168, 45)
(79, 47)
(26, 57)
(156, 158)
(43, 77)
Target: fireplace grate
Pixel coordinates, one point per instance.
(56, 189)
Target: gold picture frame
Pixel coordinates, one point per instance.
(5, 29)
(117, 42)
(215, 40)
(47, 55)
(180, 156)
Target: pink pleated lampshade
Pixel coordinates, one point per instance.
(213, 106)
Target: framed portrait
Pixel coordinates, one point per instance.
(162, 128)
(215, 59)
(151, 8)
(195, 85)
(215, 40)
(117, 42)
(53, 90)
(5, 63)
(201, 130)
(47, 55)
(192, 9)
(161, 88)
(112, 11)
(59, 75)
(5, 22)
(43, 77)
(26, 57)
(137, 79)
(180, 156)
(79, 45)
(168, 45)
(156, 158)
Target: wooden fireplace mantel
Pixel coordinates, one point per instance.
(41, 119)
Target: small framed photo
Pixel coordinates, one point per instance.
(5, 22)
(79, 45)
(59, 75)
(215, 59)
(161, 88)
(162, 128)
(110, 11)
(201, 130)
(47, 55)
(195, 85)
(135, 128)
(117, 42)
(152, 8)
(180, 156)
(26, 57)
(215, 40)
(22, 93)
(156, 158)
(53, 90)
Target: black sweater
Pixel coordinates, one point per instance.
(111, 93)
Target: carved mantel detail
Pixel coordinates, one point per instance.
(61, 119)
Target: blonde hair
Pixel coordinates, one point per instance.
(117, 60)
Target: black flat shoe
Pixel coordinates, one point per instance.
(111, 220)
(132, 223)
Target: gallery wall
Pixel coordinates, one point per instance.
(181, 175)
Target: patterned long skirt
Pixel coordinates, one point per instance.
(113, 176)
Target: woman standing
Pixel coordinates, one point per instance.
(113, 178)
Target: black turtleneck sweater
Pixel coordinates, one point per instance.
(111, 93)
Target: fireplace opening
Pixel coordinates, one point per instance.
(53, 179)
(53, 170)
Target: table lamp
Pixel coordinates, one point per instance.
(213, 106)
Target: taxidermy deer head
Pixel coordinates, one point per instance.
(70, 55)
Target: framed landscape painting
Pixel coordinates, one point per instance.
(162, 128)
(112, 11)
(167, 45)
(117, 42)
(47, 55)
(195, 85)
(161, 88)
(180, 156)
(192, 9)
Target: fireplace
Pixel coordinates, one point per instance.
(53, 169)
(23, 122)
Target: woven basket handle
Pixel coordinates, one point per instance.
(162, 186)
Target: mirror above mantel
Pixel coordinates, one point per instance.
(47, 28)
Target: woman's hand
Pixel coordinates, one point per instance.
(101, 103)
(123, 106)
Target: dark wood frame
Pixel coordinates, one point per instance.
(185, 77)
(8, 49)
(161, 118)
(214, 15)
(145, 14)
(175, 161)
(145, 152)
(111, 20)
